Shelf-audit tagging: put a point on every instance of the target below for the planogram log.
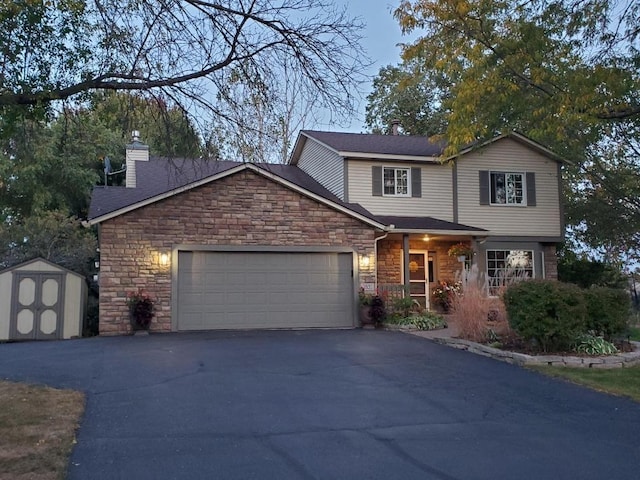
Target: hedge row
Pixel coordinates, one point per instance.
(554, 314)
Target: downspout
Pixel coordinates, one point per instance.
(375, 253)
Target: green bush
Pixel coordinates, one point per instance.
(424, 321)
(607, 311)
(428, 321)
(549, 312)
(402, 306)
(592, 345)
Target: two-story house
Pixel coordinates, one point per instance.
(226, 245)
(503, 197)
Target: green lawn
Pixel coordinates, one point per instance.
(618, 381)
(634, 333)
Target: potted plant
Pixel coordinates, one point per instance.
(141, 309)
(443, 294)
(378, 310)
(462, 251)
(365, 300)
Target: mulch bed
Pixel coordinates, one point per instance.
(516, 344)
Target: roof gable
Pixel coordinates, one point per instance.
(164, 178)
(22, 265)
(517, 137)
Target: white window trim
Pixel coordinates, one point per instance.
(524, 189)
(408, 194)
(486, 255)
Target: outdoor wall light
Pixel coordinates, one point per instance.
(426, 238)
(365, 261)
(164, 259)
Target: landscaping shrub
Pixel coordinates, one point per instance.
(424, 321)
(592, 345)
(378, 310)
(550, 312)
(607, 311)
(472, 308)
(428, 321)
(402, 306)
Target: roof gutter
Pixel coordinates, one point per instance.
(429, 231)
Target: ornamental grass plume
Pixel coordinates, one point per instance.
(475, 312)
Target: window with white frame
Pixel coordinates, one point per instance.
(508, 188)
(507, 266)
(395, 181)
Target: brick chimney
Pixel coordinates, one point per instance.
(136, 152)
(395, 125)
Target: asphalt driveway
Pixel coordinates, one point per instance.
(346, 404)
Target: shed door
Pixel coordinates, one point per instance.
(37, 305)
(245, 290)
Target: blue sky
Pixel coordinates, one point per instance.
(381, 37)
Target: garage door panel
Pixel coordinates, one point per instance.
(236, 290)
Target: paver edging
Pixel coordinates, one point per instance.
(619, 360)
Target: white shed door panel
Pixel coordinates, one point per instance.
(244, 290)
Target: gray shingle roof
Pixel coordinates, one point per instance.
(424, 223)
(161, 175)
(378, 144)
(155, 177)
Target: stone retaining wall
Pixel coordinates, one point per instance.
(626, 359)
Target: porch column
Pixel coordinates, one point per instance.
(405, 261)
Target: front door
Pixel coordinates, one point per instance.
(419, 277)
(37, 311)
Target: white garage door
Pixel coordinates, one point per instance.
(241, 290)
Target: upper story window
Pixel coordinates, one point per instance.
(508, 188)
(395, 181)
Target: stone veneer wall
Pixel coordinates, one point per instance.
(550, 262)
(242, 209)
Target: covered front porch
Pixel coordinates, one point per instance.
(416, 254)
(417, 262)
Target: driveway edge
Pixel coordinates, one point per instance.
(620, 360)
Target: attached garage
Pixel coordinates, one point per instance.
(244, 289)
(229, 245)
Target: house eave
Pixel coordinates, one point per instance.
(388, 157)
(162, 196)
(431, 231)
(316, 197)
(226, 173)
(300, 143)
(516, 136)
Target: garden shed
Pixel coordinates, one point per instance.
(40, 300)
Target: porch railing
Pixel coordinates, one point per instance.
(392, 291)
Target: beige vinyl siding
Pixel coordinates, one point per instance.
(73, 306)
(39, 267)
(324, 165)
(437, 191)
(510, 220)
(6, 280)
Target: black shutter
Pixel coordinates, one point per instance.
(416, 182)
(484, 187)
(531, 189)
(376, 185)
